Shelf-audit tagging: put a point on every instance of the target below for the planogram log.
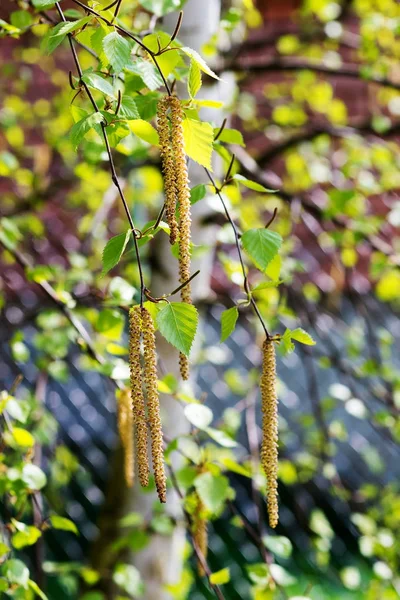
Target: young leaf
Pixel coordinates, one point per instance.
(99, 83)
(117, 50)
(230, 136)
(228, 322)
(56, 35)
(82, 127)
(128, 108)
(286, 344)
(34, 587)
(252, 185)
(261, 245)
(177, 322)
(194, 79)
(15, 571)
(198, 138)
(41, 4)
(145, 131)
(302, 336)
(213, 490)
(167, 61)
(113, 251)
(33, 477)
(197, 193)
(199, 61)
(220, 577)
(63, 523)
(198, 415)
(148, 72)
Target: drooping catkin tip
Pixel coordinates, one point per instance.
(269, 446)
(153, 404)
(184, 366)
(125, 428)
(138, 404)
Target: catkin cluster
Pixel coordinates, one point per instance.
(125, 430)
(177, 192)
(200, 533)
(141, 329)
(269, 446)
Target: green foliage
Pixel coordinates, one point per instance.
(177, 322)
(332, 181)
(114, 250)
(228, 322)
(261, 245)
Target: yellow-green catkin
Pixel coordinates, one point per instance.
(200, 534)
(168, 167)
(185, 221)
(125, 429)
(269, 446)
(153, 404)
(138, 405)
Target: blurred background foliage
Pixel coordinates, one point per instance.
(317, 103)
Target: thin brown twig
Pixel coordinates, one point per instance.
(239, 250)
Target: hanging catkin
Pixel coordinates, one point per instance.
(168, 167)
(269, 446)
(200, 534)
(153, 404)
(138, 406)
(125, 430)
(183, 196)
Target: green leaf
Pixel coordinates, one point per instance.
(162, 7)
(99, 83)
(113, 251)
(177, 322)
(33, 477)
(127, 577)
(258, 574)
(194, 79)
(220, 577)
(197, 193)
(198, 415)
(82, 127)
(286, 344)
(252, 185)
(279, 545)
(213, 490)
(228, 322)
(117, 50)
(149, 74)
(57, 34)
(167, 61)
(198, 138)
(281, 575)
(145, 131)
(35, 588)
(302, 336)
(40, 4)
(64, 524)
(23, 438)
(266, 285)
(15, 571)
(26, 536)
(230, 136)
(128, 108)
(201, 63)
(222, 438)
(9, 233)
(261, 245)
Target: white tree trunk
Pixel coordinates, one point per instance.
(160, 563)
